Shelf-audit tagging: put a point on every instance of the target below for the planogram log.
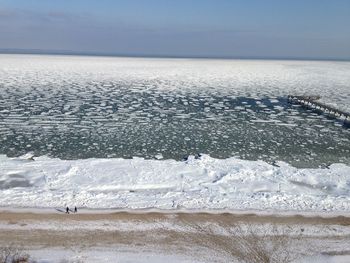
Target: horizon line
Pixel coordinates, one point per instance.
(15, 51)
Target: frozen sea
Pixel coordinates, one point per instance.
(135, 119)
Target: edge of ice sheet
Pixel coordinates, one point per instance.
(197, 184)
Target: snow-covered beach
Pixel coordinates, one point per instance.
(204, 183)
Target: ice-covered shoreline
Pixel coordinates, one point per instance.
(197, 184)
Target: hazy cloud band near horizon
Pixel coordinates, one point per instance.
(271, 28)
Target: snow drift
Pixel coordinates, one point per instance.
(204, 183)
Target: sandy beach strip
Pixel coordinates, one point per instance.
(150, 216)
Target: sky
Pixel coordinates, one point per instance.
(316, 29)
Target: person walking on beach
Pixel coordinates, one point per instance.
(67, 210)
(75, 209)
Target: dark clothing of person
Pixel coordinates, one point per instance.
(67, 210)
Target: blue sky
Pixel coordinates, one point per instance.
(209, 28)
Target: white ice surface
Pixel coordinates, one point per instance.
(255, 78)
(206, 183)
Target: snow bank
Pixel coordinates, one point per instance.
(205, 183)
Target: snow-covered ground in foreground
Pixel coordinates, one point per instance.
(107, 255)
(205, 183)
(167, 238)
(120, 256)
